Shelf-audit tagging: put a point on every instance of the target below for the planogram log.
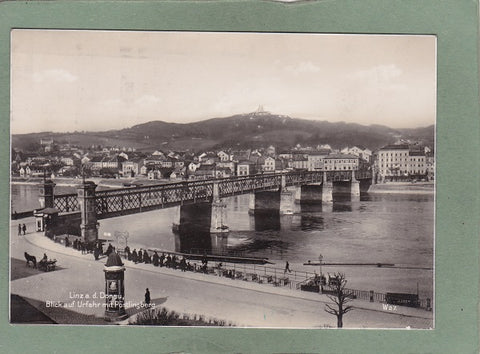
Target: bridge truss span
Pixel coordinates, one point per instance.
(130, 200)
(66, 202)
(110, 203)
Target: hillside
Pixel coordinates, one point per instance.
(239, 131)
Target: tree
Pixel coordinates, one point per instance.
(340, 297)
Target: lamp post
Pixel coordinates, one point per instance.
(320, 259)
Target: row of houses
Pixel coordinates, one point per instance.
(392, 162)
(401, 162)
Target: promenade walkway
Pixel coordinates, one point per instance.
(242, 303)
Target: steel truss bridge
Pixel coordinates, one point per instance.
(130, 200)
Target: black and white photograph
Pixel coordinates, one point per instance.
(222, 179)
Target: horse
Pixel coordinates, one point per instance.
(32, 259)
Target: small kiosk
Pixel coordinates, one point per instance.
(114, 289)
(44, 218)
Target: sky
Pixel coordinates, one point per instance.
(65, 81)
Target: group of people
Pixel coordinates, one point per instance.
(86, 247)
(79, 245)
(169, 261)
(22, 229)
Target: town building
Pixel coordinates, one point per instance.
(360, 151)
(417, 164)
(400, 163)
(316, 159)
(131, 168)
(299, 161)
(246, 168)
(223, 156)
(392, 162)
(430, 162)
(269, 164)
(341, 162)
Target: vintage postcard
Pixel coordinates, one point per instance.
(226, 179)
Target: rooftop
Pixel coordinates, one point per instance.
(341, 156)
(395, 147)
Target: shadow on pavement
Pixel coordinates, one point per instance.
(22, 312)
(19, 269)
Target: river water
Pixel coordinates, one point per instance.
(380, 228)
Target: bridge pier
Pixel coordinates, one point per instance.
(46, 196)
(214, 213)
(327, 190)
(176, 220)
(86, 200)
(218, 222)
(287, 202)
(354, 188)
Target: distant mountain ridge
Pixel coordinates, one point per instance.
(250, 130)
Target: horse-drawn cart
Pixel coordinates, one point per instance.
(47, 266)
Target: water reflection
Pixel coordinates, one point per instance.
(266, 221)
(188, 242)
(310, 217)
(193, 233)
(262, 244)
(385, 197)
(340, 207)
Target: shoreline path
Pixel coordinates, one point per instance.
(241, 303)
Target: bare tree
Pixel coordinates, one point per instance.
(340, 297)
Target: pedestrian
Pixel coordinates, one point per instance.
(109, 249)
(24, 229)
(183, 264)
(174, 262)
(96, 253)
(287, 268)
(147, 296)
(19, 230)
(155, 258)
(146, 257)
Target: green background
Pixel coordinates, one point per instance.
(455, 23)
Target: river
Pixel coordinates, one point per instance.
(380, 228)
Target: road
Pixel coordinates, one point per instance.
(240, 303)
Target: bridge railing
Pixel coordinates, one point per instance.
(297, 178)
(338, 176)
(362, 174)
(66, 202)
(246, 184)
(150, 197)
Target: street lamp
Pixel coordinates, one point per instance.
(320, 259)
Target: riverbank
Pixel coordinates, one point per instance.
(403, 188)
